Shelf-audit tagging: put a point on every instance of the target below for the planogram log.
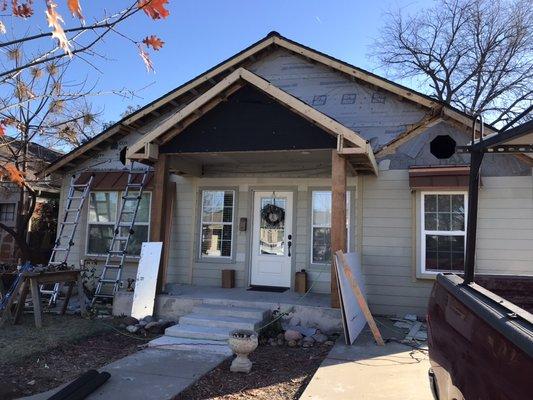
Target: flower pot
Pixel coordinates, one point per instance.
(242, 342)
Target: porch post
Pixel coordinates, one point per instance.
(338, 217)
(158, 219)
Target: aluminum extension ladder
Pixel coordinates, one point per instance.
(117, 252)
(77, 194)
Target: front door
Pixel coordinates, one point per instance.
(272, 239)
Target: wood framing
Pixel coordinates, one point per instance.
(161, 181)
(250, 54)
(180, 120)
(338, 217)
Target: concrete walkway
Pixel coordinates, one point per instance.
(366, 371)
(151, 374)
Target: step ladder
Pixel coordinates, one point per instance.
(110, 278)
(76, 196)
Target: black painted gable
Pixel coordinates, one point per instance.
(249, 121)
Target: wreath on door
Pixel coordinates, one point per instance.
(273, 215)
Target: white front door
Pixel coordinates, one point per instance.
(272, 239)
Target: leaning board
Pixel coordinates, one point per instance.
(354, 319)
(146, 282)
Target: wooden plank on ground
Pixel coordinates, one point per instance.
(146, 282)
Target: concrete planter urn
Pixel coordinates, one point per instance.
(242, 342)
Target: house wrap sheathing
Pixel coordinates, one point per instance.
(271, 134)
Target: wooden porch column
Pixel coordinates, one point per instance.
(159, 219)
(338, 217)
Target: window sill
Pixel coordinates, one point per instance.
(215, 260)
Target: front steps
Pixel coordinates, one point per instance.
(208, 326)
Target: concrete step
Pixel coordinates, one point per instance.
(231, 311)
(221, 321)
(200, 345)
(198, 332)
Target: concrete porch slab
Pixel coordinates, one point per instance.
(367, 371)
(150, 374)
(312, 310)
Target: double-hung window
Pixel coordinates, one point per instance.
(321, 226)
(217, 215)
(7, 212)
(443, 231)
(103, 214)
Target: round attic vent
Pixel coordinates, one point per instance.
(442, 147)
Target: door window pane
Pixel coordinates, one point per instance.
(272, 225)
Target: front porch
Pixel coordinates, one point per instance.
(310, 310)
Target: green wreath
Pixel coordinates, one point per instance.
(273, 215)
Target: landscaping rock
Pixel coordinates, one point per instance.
(148, 319)
(292, 335)
(132, 328)
(154, 327)
(319, 338)
(329, 342)
(130, 321)
(281, 341)
(142, 323)
(308, 341)
(291, 343)
(410, 317)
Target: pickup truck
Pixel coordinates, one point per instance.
(480, 345)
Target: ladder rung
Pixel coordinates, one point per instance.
(61, 249)
(56, 262)
(106, 296)
(121, 238)
(135, 185)
(79, 185)
(108, 280)
(110, 266)
(130, 197)
(46, 291)
(67, 210)
(68, 223)
(75, 198)
(116, 252)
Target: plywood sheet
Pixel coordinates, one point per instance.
(146, 282)
(353, 317)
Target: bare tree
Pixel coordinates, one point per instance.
(475, 54)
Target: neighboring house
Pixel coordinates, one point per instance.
(246, 157)
(40, 157)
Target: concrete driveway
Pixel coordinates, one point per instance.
(367, 371)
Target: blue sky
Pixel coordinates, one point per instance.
(199, 34)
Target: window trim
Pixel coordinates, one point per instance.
(312, 225)
(207, 258)
(422, 271)
(88, 222)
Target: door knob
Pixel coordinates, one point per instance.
(289, 244)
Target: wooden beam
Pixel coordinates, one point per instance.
(157, 217)
(338, 217)
(169, 214)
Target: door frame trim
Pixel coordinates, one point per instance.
(249, 246)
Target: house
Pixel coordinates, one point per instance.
(270, 160)
(39, 157)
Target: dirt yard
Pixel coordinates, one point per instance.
(33, 360)
(278, 373)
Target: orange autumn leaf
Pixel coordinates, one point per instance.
(146, 59)
(155, 9)
(75, 8)
(154, 42)
(14, 174)
(54, 22)
(2, 130)
(24, 10)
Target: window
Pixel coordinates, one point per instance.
(321, 226)
(443, 231)
(103, 214)
(216, 233)
(7, 212)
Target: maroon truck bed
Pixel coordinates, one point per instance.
(480, 345)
